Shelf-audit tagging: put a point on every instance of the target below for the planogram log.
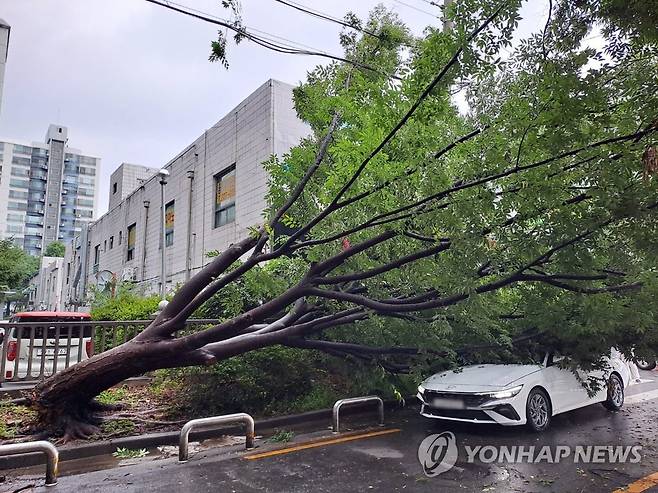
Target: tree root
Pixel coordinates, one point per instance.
(78, 422)
(21, 401)
(32, 437)
(78, 430)
(97, 406)
(145, 413)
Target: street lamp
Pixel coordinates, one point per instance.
(163, 174)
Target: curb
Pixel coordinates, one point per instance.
(151, 440)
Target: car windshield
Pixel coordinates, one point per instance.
(526, 356)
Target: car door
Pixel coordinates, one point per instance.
(566, 390)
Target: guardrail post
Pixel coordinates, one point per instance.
(356, 400)
(52, 456)
(215, 420)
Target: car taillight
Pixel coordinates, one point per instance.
(11, 351)
(9, 374)
(89, 346)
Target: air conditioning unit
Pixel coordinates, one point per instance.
(130, 274)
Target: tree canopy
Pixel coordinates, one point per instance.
(535, 202)
(16, 266)
(409, 225)
(55, 249)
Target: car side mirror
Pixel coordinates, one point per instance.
(554, 359)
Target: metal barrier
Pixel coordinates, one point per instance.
(35, 350)
(215, 420)
(355, 400)
(52, 456)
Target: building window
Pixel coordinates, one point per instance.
(132, 233)
(114, 188)
(120, 237)
(97, 256)
(105, 246)
(225, 197)
(111, 242)
(169, 224)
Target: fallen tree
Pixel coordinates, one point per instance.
(537, 208)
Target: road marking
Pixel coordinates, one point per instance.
(640, 485)
(641, 397)
(321, 443)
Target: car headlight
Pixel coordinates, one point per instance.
(503, 394)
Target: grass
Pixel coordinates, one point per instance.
(118, 427)
(127, 453)
(282, 436)
(113, 396)
(14, 419)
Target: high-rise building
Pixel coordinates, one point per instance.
(48, 190)
(4, 50)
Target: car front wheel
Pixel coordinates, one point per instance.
(538, 410)
(615, 399)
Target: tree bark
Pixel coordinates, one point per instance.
(65, 402)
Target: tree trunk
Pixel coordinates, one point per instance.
(65, 402)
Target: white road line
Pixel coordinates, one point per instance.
(641, 397)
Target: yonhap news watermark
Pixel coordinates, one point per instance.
(438, 453)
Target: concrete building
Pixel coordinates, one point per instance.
(5, 29)
(126, 179)
(214, 193)
(48, 190)
(46, 292)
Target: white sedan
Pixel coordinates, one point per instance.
(518, 394)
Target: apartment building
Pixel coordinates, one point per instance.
(49, 190)
(214, 192)
(5, 30)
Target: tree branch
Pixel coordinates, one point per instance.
(396, 264)
(333, 205)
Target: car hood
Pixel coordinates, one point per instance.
(478, 378)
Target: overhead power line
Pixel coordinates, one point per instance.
(416, 8)
(327, 17)
(266, 40)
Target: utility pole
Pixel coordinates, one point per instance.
(163, 174)
(448, 25)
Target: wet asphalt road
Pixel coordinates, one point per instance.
(389, 462)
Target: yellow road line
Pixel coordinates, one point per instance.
(640, 485)
(321, 443)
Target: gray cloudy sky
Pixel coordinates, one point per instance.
(132, 80)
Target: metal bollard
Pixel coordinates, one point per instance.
(215, 420)
(356, 400)
(52, 456)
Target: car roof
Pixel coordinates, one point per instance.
(52, 314)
